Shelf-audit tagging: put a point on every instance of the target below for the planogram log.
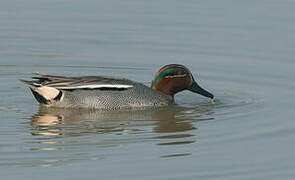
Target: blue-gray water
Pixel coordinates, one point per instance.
(241, 51)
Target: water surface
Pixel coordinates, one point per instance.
(242, 52)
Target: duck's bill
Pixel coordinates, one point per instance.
(197, 89)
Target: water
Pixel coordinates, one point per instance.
(243, 52)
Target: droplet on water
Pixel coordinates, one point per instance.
(213, 101)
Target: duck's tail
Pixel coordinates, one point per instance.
(43, 94)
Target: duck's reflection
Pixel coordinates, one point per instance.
(172, 122)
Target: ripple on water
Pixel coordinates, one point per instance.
(64, 132)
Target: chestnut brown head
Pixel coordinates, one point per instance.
(174, 78)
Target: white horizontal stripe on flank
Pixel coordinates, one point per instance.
(98, 86)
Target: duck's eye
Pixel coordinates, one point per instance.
(172, 72)
(169, 72)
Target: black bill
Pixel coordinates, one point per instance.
(197, 89)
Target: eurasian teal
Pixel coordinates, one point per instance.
(99, 92)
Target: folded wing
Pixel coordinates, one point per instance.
(85, 82)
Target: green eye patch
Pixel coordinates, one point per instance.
(167, 72)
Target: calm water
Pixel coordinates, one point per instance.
(242, 51)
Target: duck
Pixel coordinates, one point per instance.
(103, 92)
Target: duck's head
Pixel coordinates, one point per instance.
(174, 78)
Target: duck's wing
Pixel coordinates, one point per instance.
(84, 82)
